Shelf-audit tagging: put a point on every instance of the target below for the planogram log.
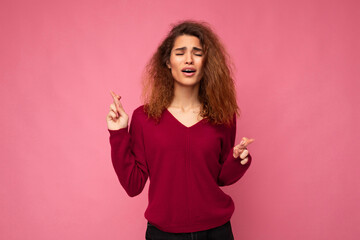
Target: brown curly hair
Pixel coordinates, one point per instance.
(217, 89)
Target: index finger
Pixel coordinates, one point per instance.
(246, 141)
(114, 95)
(116, 100)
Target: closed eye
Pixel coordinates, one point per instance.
(196, 54)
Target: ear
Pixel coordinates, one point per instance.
(168, 64)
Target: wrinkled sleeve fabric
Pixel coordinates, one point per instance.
(231, 169)
(128, 156)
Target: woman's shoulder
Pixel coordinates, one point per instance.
(139, 109)
(139, 112)
(227, 129)
(141, 117)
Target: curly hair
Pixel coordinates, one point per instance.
(217, 88)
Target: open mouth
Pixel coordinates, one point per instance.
(188, 70)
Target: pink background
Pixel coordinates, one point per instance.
(297, 75)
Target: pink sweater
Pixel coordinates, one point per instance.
(185, 165)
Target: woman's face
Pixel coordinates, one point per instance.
(186, 60)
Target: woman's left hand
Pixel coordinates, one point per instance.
(241, 150)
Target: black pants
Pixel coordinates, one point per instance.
(223, 232)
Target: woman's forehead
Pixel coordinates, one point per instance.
(187, 41)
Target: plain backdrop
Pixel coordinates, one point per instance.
(296, 66)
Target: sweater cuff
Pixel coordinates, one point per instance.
(119, 131)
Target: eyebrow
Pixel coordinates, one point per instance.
(184, 48)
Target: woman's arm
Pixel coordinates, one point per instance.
(232, 169)
(127, 148)
(128, 156)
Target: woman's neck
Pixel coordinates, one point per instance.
(186, 97)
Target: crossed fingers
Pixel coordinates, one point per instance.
(241, 151)
(117, 102)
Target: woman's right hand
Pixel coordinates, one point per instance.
(117, 117)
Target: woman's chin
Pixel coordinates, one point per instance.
(188, 82)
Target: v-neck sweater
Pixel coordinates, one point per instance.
(185, 165)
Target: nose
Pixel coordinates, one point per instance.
(189, 59)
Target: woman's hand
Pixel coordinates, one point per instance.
(240, 150)
(117, 117)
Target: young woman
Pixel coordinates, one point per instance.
(182, 138)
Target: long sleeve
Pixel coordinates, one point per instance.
(232, 170)
(128, 156)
